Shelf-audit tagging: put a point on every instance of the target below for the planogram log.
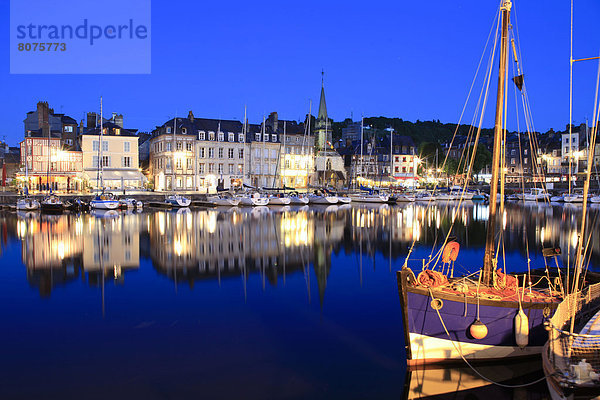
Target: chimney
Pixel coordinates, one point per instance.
(92, 120)
(191, 116)
(118, 119)
(274, 120)
(43, 119)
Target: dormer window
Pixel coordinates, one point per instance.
(117, 131)
(274, 138)
(168, 129)
(241, 137)
(231, 137)
(211, 135)
(221, 136)
(201, 135)
(184, 130)
(257, 137)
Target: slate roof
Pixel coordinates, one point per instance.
(110, 128)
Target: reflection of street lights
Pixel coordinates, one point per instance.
(416, 162)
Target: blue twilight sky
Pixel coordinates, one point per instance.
(409, 59)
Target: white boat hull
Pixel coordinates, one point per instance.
(370, 198)
(573, 199)
(298, 201)
(28, 204)
(431, 348)
(323, 200)
(178, 201)
(104, 204)
(224, 202)
(405, 199)
(279, 201)
(254, 201)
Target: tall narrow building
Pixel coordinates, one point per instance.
(322, 124)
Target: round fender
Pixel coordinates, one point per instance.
(450, 252)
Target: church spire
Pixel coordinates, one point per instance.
(322, 116)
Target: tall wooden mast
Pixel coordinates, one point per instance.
(488, 260)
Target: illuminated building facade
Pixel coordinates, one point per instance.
(197, 154)
(116, 152)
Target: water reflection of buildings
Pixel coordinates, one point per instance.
(57, 249)
(188, 246)
(208, 244)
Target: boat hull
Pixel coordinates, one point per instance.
(104, 204)
(323, 200)
(298, 201)
(179, 202)
(254, 201)
(279, 201)
(428, 342)
(370, 198)
(28, 204)
(226, 202)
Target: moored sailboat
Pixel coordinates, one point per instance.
(448, 319)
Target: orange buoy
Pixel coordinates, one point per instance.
(478, 330)
(450, 252)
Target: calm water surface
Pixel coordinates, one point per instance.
(240, 303)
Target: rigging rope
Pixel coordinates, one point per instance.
(458, 350)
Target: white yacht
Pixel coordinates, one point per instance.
(253, 200)
(536, 194)
(279, 201)
(177, 200)
(224, 201)
(298, 200)
(28, 204)
(369, 198)
(322, 199)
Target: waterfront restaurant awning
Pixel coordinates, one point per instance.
(116, 175)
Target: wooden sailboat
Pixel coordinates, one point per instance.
(448, 319)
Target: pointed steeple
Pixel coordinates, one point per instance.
(322, 105)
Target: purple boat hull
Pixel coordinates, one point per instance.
(427, 340)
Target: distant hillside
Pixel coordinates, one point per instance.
(419, 131)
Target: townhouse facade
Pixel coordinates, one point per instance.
(111, 160)
(49, 155)
(197, 154)
(297, 161)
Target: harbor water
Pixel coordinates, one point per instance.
(278, 303)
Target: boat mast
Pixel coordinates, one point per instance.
(488, 260)
(391, 151)
(264, 176)
(101, 169)
(362, 127)
(173, 153)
